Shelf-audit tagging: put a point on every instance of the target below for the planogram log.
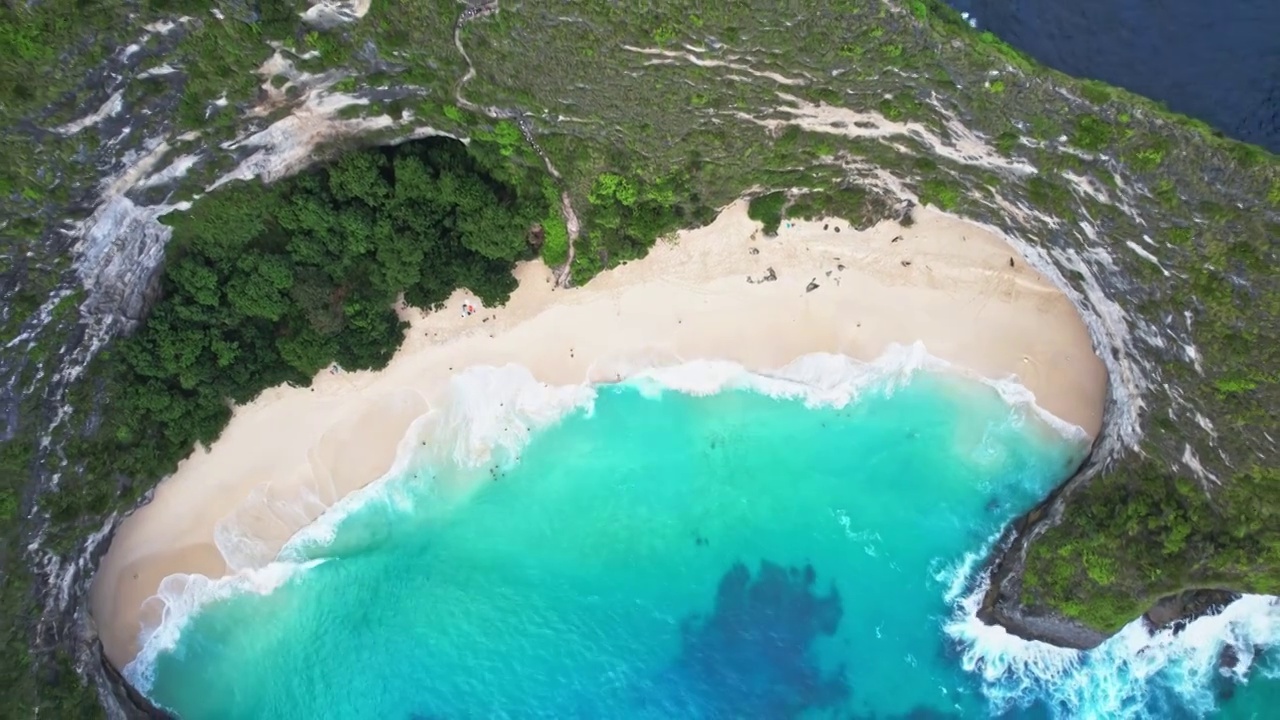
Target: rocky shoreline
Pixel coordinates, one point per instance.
(120, 700)
(1001, 604)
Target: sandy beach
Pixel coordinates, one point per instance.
(955, 286)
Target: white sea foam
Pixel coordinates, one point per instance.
(486, 415)
(829, 380)
(482, 419)
(1120, 678)
(818, 379)
(957, 576)
(251, 536)
(180, 598)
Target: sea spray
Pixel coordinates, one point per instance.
(1134, 674)
(180, 598)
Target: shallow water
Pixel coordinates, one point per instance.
(660, 555)
(1216, 61)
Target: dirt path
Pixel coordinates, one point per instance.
(562, 274)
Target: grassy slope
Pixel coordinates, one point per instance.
(1210, 206)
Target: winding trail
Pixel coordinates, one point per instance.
(521, 119)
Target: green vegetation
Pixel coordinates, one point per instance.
(54, 58)
(1096, 92)
(940, 193)
(1006, 51)
(555, 232)
(767, 209)
(642, 148)
(1148, 158)
(856, 205)
(1007, 141)
(627, 214)
(35, 680)
(220, 59)
(31, 35)
(1051, 194)
(1092, 133)
(1146, 533)
(1144, 530)
(505, 134)
(265, 286)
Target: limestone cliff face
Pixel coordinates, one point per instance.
(115, 244)
(100, 254)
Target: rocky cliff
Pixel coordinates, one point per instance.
(1161, 233)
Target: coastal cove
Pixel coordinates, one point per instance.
(830, 259)
(690, 298)
(287, 475)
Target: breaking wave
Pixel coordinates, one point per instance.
(1134, 674)
(182, 595)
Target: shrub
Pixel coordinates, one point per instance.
(939, 193)
(767, 209)
(1092, 133)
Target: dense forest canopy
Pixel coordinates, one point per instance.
(270, 284)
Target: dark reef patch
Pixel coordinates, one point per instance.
(753, 655)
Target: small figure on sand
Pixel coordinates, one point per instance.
(468, 309)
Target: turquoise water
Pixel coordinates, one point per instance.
(661, 555)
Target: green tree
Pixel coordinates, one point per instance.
(307, 351)
(197, 280)
(260, 290)
(270, 286)
(359, 176)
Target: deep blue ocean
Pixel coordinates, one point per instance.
(770, 550)
(1216, 61)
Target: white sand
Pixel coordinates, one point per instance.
(688, 299)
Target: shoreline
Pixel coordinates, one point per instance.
(952, 284)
